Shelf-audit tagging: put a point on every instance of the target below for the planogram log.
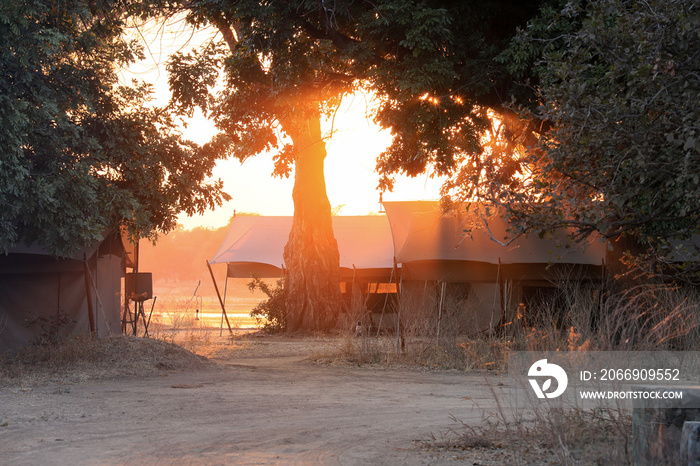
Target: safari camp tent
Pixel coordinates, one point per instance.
(463, 254)
(254, 245)
(44, 296)
(428, 256)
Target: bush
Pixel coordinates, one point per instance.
(270, 314)
(51, 327)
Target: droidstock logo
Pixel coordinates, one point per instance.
(542, 369)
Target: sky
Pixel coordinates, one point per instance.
(352, 149)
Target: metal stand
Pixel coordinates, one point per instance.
(139, 313)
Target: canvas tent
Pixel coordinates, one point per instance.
(455, 250)
(463, 250)
(41, 295)
(255, 245)
(452, 247)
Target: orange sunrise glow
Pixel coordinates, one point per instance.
(353, 146)
(530, 296)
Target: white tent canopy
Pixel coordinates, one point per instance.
(255, 245)
(416, 233)
(422, 232)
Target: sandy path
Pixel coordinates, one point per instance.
(267, 405)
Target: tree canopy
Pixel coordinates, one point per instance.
(83, 153)
(619, 87)
(434, 66)
(580, 99)
(286, 64)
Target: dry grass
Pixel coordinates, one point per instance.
(642, 318)
(466, 355)
(173, 325)
(82, 358)
(639, 318)
(423, 342)
(565, 437)
(209, 344)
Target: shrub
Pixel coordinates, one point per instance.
(271, 314)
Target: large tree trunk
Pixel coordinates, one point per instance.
(312, 273)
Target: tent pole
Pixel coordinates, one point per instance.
(91, 316)
(153, 305)
(218, 295)
(493, 306)
(442, 303)
(98, 303)
(501, 291)
(221, 325)
(386, 298)
(124, 313)
(400, 343)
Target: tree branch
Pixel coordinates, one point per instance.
(230, 31)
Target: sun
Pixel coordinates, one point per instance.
(353, 143)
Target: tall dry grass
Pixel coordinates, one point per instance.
(555, 436)
(409, 332)
(648, 317)
(174, 326)
(576, 316)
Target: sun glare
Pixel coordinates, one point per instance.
(351, 178)
(353, 142)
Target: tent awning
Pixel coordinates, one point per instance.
(421, 232)
(256, 244)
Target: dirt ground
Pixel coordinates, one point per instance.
(266, 403)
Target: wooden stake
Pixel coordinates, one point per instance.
(91, 314)
(400, 342)
(218, 295)
(442, 303)
(153, 305)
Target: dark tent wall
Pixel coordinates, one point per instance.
(108, 281)
(43, 297)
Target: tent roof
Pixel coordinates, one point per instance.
(23, 258)
(413, 231)
(37, 250)
(422, 232)
(363, 241)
